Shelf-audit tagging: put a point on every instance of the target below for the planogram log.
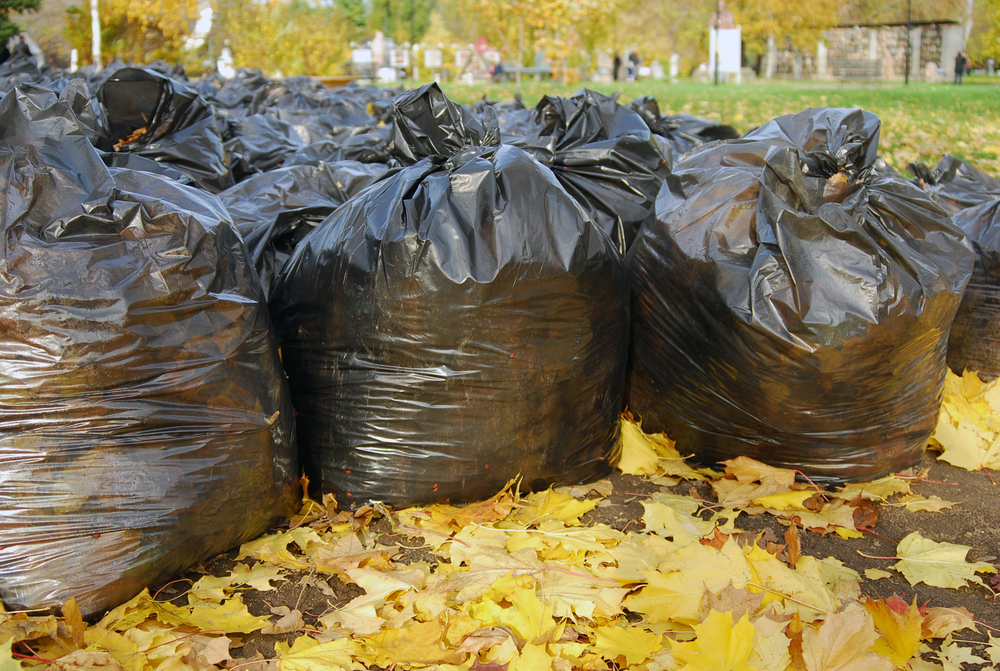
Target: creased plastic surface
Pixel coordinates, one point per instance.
(174, 125)
(273, 211)
(145, 424)
(457, 324)
(955, 184)
(974, 343)
(603, 154)
(793, 303)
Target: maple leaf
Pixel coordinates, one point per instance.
(676, 589)
(7, 661)
(965, 445)
(289, 622)
(228, 617)
(940, 622)
(737, 602)
(937, 564)
(841, 643)
(901, 630)
(446, 519)
(638, 456)
(84, 660)
(634, 644)
(532, 658)
(770, 646)
(654, 454)
(916, 503)
(747, 479)
(876, 490)
(720, 645)
(550, 505)
(956, 655)
(993, 651)
(20, 627)
(876, 574)
(526, 615)
(415, 643)
(306, 654)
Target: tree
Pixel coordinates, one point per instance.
(665, 27)
(560, 27)
(294, 37)
(135, 30)
(799, 22)
(984, 43)
(8, 28)
(402, 20)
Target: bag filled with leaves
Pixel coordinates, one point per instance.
(792, 302)
(146, 421)
(162, 119)
(956, 184)
(974, 343)
(605, 156)
(457, 324)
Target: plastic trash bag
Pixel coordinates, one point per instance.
(974, 343)
(260, 143)
(457, 324)
(146, 421)
(162, 119)
(605, 156)
(677, 142)
(792, 303)
(273, 211)
(955, 184)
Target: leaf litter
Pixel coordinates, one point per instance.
(548, 581)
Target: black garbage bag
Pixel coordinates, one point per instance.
(160, 118)
(974, 343)
(457, 324)
(792, 303)
(371, 146)
(260, 143)
(273, 211)
(146, 421)
(605, 156)
(678, 142)
(956, 184)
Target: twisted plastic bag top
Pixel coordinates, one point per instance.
(459, 323)
(793, 302)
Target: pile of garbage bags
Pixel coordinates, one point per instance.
(462, 297)
(792, 302)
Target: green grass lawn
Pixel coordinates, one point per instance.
(919, 122)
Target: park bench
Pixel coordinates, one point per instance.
(539, 71)
(853, 70)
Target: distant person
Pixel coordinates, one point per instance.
(617, 66)
(4, 53)
(633, 66)
(961, 62)
(496, 72)
(22, 49)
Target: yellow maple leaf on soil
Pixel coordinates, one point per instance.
(720, 645)
(842, 643)
(937, 564)
(901, 630)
